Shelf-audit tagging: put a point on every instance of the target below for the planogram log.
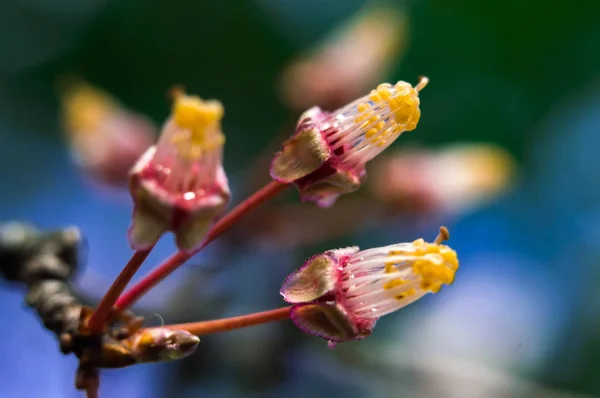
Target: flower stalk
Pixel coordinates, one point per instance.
(91, 390)
(233, 323)
(178, 184)
(176, 260)
(98, 319)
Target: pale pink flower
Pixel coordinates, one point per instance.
(326, 157)
(105, 137)
(179, 184)
(339, 295)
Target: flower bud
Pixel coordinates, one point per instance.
(339, 295)
(179, 184)
(326, 157)
(162, 344)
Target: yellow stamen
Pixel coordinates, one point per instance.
(435, 273)
(200, 123)
(408, 293)
(389, 268)
(85, 107)
(435, 263)
(402, 102)
(393, 283)
(362, 107)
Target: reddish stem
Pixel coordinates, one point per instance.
(176, 260)
(236, 322)
(97, 320)
(159, 273)
(91, 392)
(92, 387)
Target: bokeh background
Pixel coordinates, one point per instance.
(523, 316)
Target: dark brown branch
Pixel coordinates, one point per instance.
(44, 262)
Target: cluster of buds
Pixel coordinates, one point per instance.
(326, 156)
(179, 183)
(339, 295)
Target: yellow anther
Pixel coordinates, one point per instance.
(389, 268)
(192, 113)
(450, 257)
(363, 116)
(405, 108)
(200, 123)
(371, 133)
(394, 283)
(403, 116)
(437, 270)
(431, 286)
(374, 96)
(408, 293)
(399, 102)
(402, 100)
(384, 91)
(85, 107)
(420, 251)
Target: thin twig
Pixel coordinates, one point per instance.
(236, 322)
(98, 319)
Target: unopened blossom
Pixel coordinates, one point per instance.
(326, 156)
(105, 138)
(339, 295)
(162, 344)
(179, 184)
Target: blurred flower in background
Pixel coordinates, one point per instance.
(105, 138)
(452, 180)
(352, 58)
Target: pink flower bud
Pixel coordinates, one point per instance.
(326, 157)
(162, 344)
(179, 184)
(339, 295)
